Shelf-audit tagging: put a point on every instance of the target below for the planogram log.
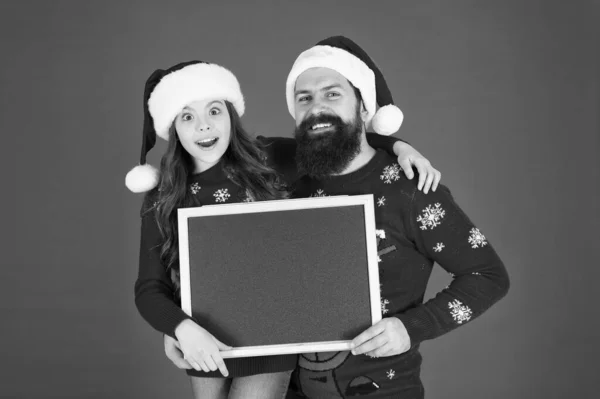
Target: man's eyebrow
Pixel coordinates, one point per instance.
(331, 86)
(301, 92)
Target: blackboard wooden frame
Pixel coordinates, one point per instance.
(370, 247)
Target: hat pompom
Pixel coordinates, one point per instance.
(142, 178)
(387, 120)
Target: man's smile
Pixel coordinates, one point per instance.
(321, 128)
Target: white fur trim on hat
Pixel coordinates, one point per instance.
(341, 61)
(142, 178)
(192, 83)
(387, 120)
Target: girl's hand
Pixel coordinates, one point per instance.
(200, 348)
(409, 157)
(174, 354)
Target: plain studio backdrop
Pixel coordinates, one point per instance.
(501, 96)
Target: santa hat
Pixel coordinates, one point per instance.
(348, 59)
(165, 94)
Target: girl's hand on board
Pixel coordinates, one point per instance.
(200, 348)
(173, 352)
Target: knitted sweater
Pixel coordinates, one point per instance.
(154, 290)
(414, 230)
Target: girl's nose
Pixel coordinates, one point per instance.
(203, 127)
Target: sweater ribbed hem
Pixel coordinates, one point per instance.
(245, 366)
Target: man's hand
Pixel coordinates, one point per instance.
(386, 338)
(174, 354)
(429, 177)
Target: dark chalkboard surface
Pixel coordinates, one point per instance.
(275, 277)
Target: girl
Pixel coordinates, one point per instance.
(196, 107)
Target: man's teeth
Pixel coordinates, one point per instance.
(320, 125)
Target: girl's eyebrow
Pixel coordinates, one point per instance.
(186, 108)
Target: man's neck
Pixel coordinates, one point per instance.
(364, 156)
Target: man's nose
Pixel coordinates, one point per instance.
(317, 109)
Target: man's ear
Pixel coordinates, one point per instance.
(363, 112)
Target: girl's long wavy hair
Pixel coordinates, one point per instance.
(244, 163)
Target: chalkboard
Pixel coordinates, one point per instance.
(277, 277)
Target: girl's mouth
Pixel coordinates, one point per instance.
(207, 144)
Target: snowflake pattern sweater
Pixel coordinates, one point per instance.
(414, 230)
(154, 290)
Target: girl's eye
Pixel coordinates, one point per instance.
(215, 111)
(186, 117)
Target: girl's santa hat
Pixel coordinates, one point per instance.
(165, 94)
(348, 59)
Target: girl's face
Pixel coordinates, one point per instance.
(204, 130)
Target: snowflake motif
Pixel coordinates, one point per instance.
(195, 188)
(381, 201)
(431, 217)
(459, 312)
(391, 173)
(439, 247)
(221, 195)
(476, 239)
(319, 193)
(390, 374)
(384, 303)
(380, 234)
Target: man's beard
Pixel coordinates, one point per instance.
(325, 154)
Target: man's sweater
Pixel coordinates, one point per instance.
(414, 230)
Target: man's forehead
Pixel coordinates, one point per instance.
(316, 78)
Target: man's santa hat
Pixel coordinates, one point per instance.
(348, 59)
(165, 94)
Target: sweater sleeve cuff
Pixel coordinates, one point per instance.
(173, 320)
(419, 328)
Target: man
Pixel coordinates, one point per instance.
(333, 91)
(331, 114)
